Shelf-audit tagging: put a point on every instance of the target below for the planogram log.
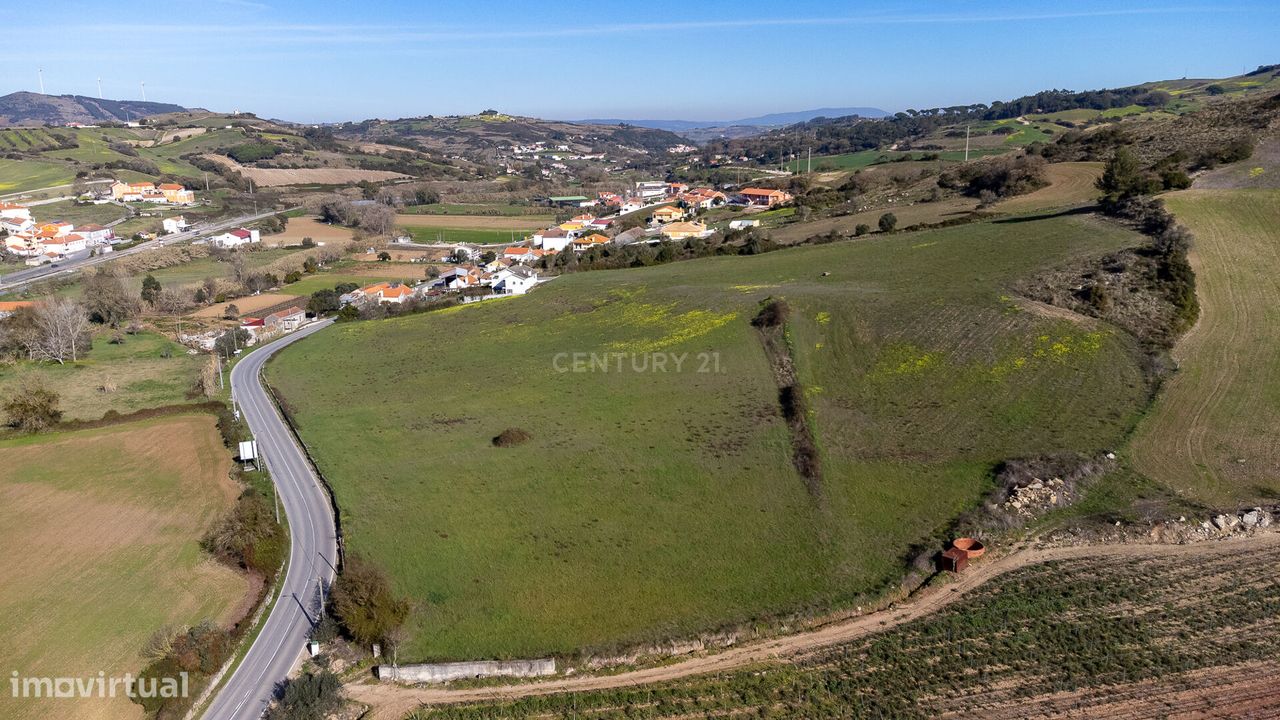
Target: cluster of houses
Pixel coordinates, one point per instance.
(499, 277)
(43, 242)
(163, 194)
(676, 205)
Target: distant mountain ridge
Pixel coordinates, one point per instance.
(28, 108)
(770, 120)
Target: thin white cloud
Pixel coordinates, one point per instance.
(294, 34)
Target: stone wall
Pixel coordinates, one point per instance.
(444, 672)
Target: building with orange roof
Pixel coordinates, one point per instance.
(584, 244)
(668, 213)
(765, 196)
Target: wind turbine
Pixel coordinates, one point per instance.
(99, 88)
(144, 91)
(40, 74)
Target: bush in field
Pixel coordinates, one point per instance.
(362, 601)
(33, 406)
(308, 696)
(997, 177)
(888, 222)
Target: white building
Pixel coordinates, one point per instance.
(96, 234)
(235, 238)
(515, 280)
(174, 224)
(651, 190)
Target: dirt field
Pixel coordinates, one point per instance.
(247, 305)
(1069, 184)
(272, 177)
(1211, 435)
(102, 530)
(391, 702)
(1261, 170)
(908, 216)
(307, 227)
(1240, 691)
(475, 222)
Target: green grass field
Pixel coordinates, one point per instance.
(126, 377)
(327, 280)
(472, 209)
(465, 235)
(103, 530)
(1211, 435)
(652, 504)
(69, 211)
(26, 175)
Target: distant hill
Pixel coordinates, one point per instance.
(703, 128)
(28, 108)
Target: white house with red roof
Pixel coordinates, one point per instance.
(235, 238)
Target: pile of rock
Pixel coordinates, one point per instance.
(1242, 521)
(1035, 497)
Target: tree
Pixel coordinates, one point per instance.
(862, 229)
(888, 222)
(323, 301)
(58, 332)
(106, 299)
(231, 312)
(1122, 178)
(384, 256)
(150, 288)
(33, 406)
(363, 602)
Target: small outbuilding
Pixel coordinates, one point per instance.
(956, 558)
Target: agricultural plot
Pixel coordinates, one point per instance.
(1144, 640)
(27, 175)
(106, 524)
(1211, 434)
(436, 235)
(651, 504)
(476, 222)
(145, 370)
(471, 209)
(69, 211)
(1070, 184)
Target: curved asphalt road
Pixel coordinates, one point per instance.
(313, 552)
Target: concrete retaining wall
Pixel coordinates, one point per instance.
(444, 672)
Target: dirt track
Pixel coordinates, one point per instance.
(391, 702)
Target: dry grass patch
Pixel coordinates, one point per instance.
(308, 227)
(103, 528)
(1070, 184)
(247, 305)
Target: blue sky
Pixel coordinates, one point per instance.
(695, 59)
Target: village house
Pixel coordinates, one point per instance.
(651, 190)
(174, 224)
(8, 308)
(94, 234)
(743, 224)
(515, 281)
(131, 192)
(16, 225)
(553, 239)
(459, 278)
(584, 244)
(175, 194)
(704, 198)
(685, 230)
(668, 213)
(277, 323)
(765, 196)
(64, 245)
(9, 211)
(235, 238)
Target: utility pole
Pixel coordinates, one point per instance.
(810, 170)
(40, 75)
(966, 143)
(206, 182)
(221, 384)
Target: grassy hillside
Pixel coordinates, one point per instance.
(1211, 435)
(648, 503)
(108, 523)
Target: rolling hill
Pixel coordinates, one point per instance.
(28, 108)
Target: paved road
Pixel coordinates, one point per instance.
(18, 279)
(312, 555)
